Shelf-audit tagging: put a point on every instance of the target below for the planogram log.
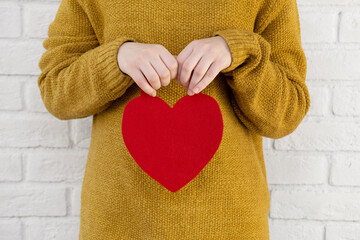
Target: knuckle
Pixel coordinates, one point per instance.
(174, 65)
(197, 72)
(166, 82)
(148, 51)
(153, 78)
(139, 57)
(211, 73)
(179, 61)
(204, 46)
(140, 83)
(212, 70)
(222, 58)
(186, 67)
(164, 74)
(212, 51)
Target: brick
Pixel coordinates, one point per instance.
(328, 2)
(295, 230)
(10, 229)
(59, 229)
(323, 136)
(33, 132)
(325, 29)
(316, 205)
(33, 98)
(293, 168)
(10, 20)
(28, 51)
(10, 167)
(349, 26)
(38, 17)
(333, 64)
(319, 101)
(345, 169)
(10, 93)
(346, 101)
(267, 143)
(30, 201)
(343, 231)
(81, 131)
(56, 166)
(76, 201)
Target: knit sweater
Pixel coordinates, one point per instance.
(261, 94)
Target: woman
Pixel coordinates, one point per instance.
(246, 55)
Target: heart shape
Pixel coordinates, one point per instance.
(172, 145)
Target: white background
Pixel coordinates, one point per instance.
(313, 173)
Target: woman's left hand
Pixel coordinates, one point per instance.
(204, 58)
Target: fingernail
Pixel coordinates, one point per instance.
(196, 90)
(190, 92)
(154, 94)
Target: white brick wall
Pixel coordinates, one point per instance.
(313, 174)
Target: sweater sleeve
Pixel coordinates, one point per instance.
(79, 77)
(268, 71)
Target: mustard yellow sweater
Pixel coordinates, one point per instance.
(261, 94)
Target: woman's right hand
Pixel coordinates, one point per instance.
(149, 65)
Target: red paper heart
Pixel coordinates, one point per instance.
(172, 145)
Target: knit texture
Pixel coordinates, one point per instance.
(261, 94)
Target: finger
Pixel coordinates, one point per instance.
(161, 69)
(186, 51)
(170, 62)
(143, 84)
(177, 67)
(183, 55)
(188, 67)
(200, 71)
(211, 73)
(150, 74)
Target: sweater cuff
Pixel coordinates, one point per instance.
(114, 80)
(241, 43)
